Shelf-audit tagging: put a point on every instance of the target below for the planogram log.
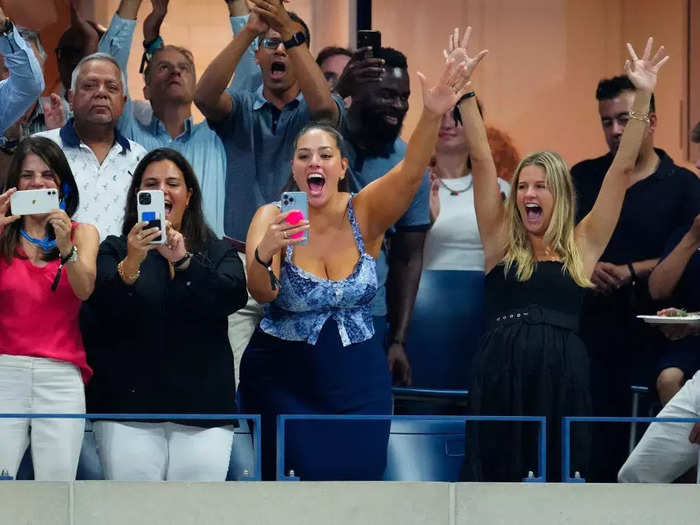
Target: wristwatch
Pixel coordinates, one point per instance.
(72, 256)
(297, 39)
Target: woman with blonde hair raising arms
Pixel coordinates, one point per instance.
(537, 264)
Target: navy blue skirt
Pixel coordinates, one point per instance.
(292, 377)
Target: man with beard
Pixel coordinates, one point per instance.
(101, 158)
(379, 88)
(661, 198)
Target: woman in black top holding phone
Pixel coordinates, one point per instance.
(156, 334)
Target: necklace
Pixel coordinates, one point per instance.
(454, 192)
(45, 244)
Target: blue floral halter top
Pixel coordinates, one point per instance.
(306, 301)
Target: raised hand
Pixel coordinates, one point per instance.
(173, 249)
(4, 206)
(92, 38)
(447, 92)
(642, 72)
(361, 70)
(274, 13)
(54, 116)
(62, 227)
(458, 51)
(257, 24)
(152, 23)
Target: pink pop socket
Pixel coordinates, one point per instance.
(293, 218)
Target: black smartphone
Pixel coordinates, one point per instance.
(371, 39)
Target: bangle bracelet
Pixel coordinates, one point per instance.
(177, 264)
(633, 274)
(128, 279)
(466, 96)
(644, 117)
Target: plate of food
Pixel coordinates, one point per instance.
(672, 316)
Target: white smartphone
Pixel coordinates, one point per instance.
(150, 208)
(296, 200)
(33, 202)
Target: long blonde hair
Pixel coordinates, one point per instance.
(560, 231)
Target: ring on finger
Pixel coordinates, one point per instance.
(284, 234)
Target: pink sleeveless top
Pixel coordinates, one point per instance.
(37, 322)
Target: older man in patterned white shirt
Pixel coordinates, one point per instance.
(102, 160)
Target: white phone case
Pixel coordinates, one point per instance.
(150, 207)
(34, 202)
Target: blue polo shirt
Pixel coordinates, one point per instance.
(258, 139)
(365, 169)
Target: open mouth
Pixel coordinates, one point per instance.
(277, 70)
(533, 212)
(315, 181)
(168, 207)
(391, 120)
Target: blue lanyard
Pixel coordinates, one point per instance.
(45, 244)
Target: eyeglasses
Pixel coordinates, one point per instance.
(272, 43)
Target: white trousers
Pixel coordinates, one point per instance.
(665, 452)
(241, 325)
(135, 451)
(40, 385)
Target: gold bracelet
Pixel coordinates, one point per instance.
(128, 279)
(644, 117)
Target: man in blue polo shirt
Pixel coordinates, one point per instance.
(258, 128)
(379, 88)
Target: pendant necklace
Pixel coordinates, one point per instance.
(454, 192)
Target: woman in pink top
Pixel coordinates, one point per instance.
(47, 268)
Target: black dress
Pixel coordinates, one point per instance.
(530, 362)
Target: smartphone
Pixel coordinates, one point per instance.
(296, 200)
(371, 39)
(33, 202)
(150, 208)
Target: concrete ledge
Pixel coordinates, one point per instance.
(574, 504)
(292, 503)
(35, 503)
(122, 503)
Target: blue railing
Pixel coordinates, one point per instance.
(283, 419)
(566, 435)
(254, 418)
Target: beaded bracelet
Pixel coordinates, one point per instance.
(644, 117)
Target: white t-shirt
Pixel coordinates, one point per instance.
(453, 242)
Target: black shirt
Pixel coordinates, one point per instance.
(653, 207)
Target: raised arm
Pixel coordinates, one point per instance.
(247, 76)
(594, 230)
(312, 83)
(26, 82)
(211, 96)
(488, 201)
(380, 204)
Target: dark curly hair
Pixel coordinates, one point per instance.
(609, 88)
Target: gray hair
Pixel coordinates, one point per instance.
(96, 56)
(32, 37)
